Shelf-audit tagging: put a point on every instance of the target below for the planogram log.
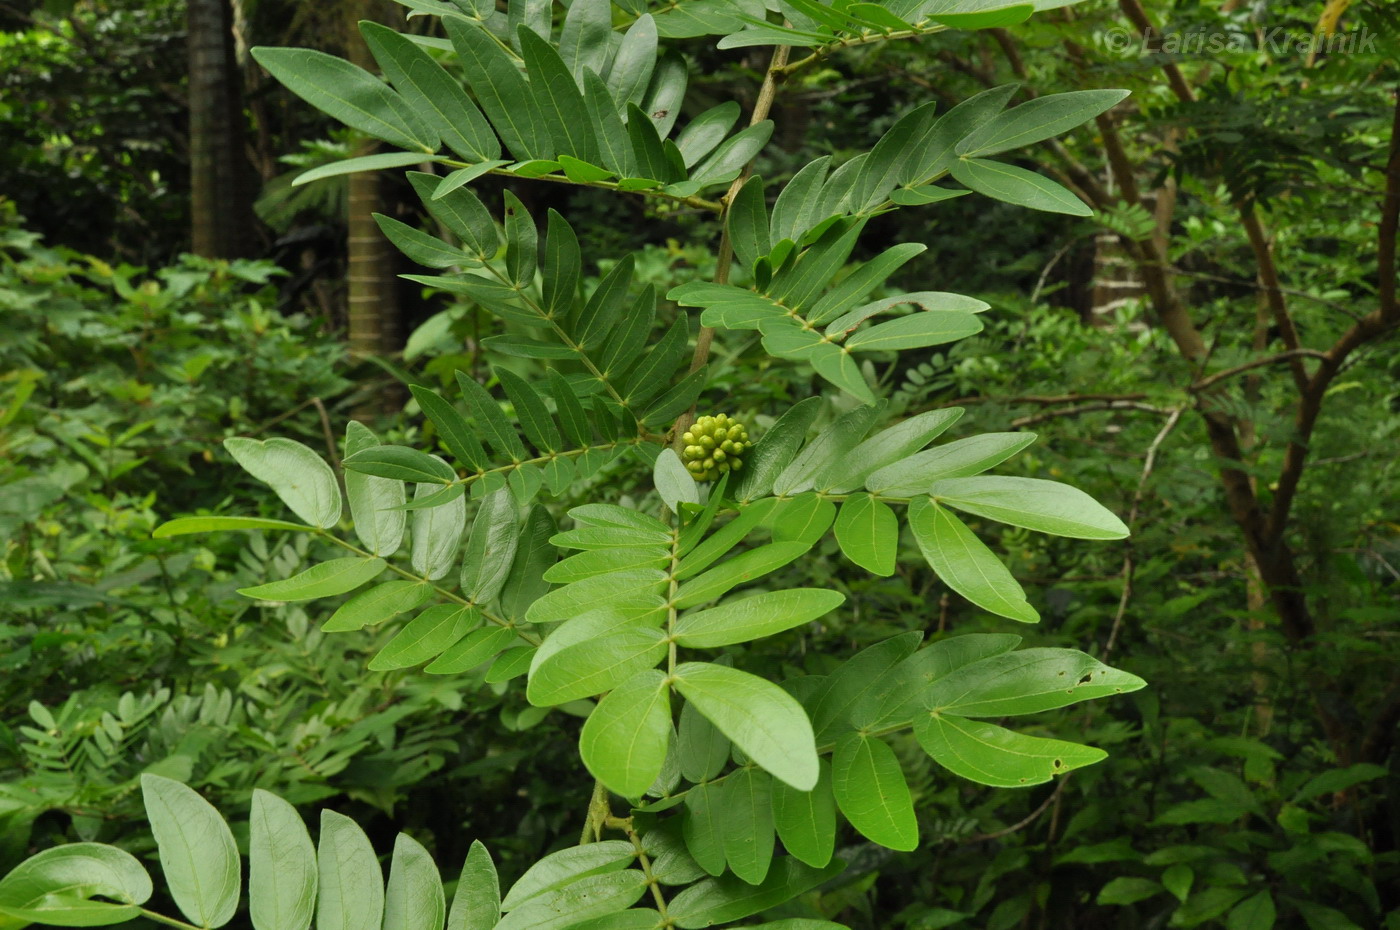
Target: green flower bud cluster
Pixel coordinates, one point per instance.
(713, 446)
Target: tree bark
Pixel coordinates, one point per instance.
(221, 185)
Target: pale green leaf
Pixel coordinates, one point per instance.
(473, 650)
(436, 534)
(912, 476)
(624, 740)
(476, 905)
(183, 526)
(754, 617)
(746, 823)
(965, 564)
(1027, 681)
(868, 533)
(806, 820)
(373, 500)
(741, 569)
(377, 604)
(871, 791)
(414, 897)
(569, 865)
(426, 636)
(350, 894)
(588, 898)
(326, 579)
(298, 476)
(197, 851)
(1036, 504)
(281, 866)
(992, 755)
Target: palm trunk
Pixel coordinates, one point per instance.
(220, 180)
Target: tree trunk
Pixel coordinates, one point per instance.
(372, 306)
(221, 188)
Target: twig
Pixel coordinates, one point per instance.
(1291, 355)
(1086, 408)
(1127, 572)
(1030, 819)
(331, 452)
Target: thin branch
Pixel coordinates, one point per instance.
(1127, 572)
(1273, 294)
(1293, 355)
(1030, 819)
(1087, 408)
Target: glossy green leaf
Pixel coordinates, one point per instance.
(476, 905)
(754, 617)
(1036, 120)
(426, 636)
(855, 680)
(419, 246)
(183, 526)
(624, 740)
(636, 587)
(414, 898)
(1253, 913)
(1027, 681)
(534, 554)
(758, 716)
(746, 823)
(725, 899)
(373, 501)
(804, 518)
(992, 755)
(892, 157)
(635, 60)
(1018, 186)
(461, 211)
(350, 94)
(436, 534)
(491, 545)
(197, 851)
(377, 604)
(557, 97)
(806, 820)
(510, 664)
(868, 533)
(326, 579)
(965, 564)
(350, 893)
(899, 697)
(300, 477)
(601, 561)
(870, 789)
(1036, 504)
(569, 865)
(380, 162)
(912, 476)
(704, 837)
(496, 426)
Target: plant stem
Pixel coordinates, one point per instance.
(170, 921)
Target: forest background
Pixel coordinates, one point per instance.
(1211, 354)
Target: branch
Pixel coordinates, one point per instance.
(1087, 408)
(1030, 819)
(1273, 294)
(1293, 355)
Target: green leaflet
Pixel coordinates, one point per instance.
(587, 898)
(725, 538)
(701, 828)
(839, 695)
(476, 905)
(754, 617)
(1036, 120)
(529, 407)
(491, 546)
(870, 789)
(414, 898)
(912, 476)
(349, 94)
(436, 534)
(461, 211)
(468, 653)
(593, 562)
(594, 666)
(704, 750)
(671, 863)
(965, 564)
(746, 823)
(1027, 681)
(522, 242)
(889, 445)
(758, 716)
(324, 580)
(401, 463)
(825, 454)
(501, 91)
(197, 851)
(868, 533)
(634, 62)
(806, 820)
(378, 162)
(426, 636)
(721, 900)
(634, 588)
(55, 886)
(899, 697)
(432, 93)
(776, 449)
(1018, 186)
(557, 97)
(624, 740)
(372, 500)
(512, 663)
(804, 518)
(298, 476)
(182, 526)
(569, 865)
(706, 131)
(992, 755)
(673, 483)
(377, 604)
(422, 248)
(741, 569)
(622, 518)
(351, 892)
(281, 866)
(916, 331)
(1036, 504)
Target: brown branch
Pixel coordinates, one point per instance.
(1139, 18)
(1273, 294)
(1294, 355)
(1030, 819)
(1086, 408)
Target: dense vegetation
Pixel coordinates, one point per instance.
(1191, 317)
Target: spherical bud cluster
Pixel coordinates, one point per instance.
(714, 445)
